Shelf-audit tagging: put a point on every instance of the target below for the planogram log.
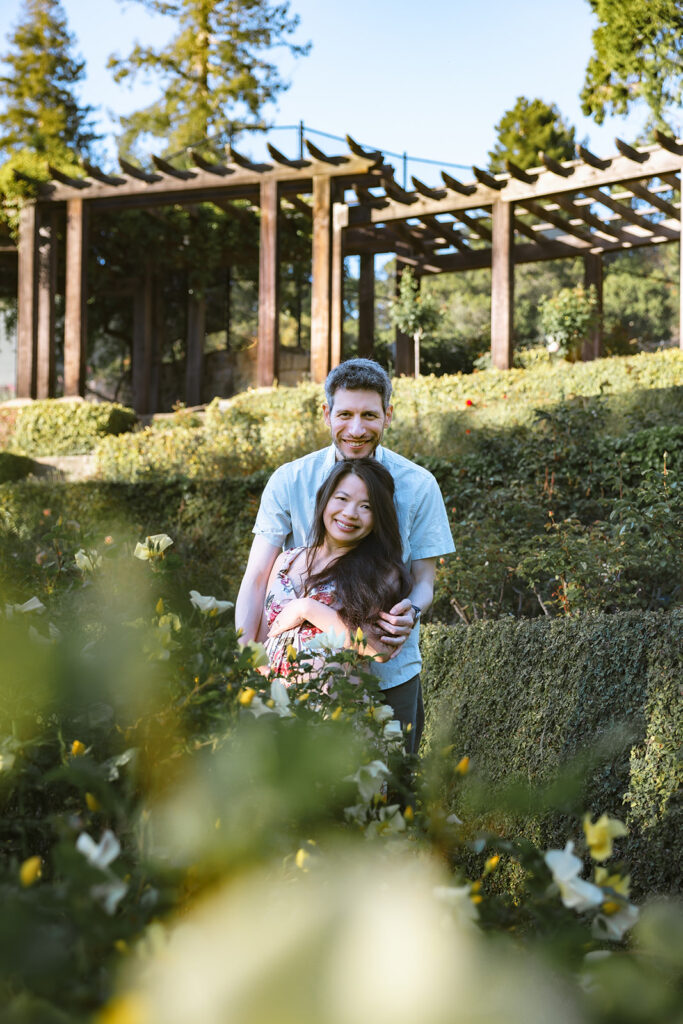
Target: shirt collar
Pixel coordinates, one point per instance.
(331, 457)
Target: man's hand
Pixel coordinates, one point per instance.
(397, 625)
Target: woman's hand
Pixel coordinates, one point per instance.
(291, 616)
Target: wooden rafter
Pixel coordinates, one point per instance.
(626, 212)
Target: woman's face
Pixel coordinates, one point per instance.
(348, 515)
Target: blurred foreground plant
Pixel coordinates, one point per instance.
(186, 836)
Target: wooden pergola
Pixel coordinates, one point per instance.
(584, 207)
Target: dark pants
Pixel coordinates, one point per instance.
(406, 700)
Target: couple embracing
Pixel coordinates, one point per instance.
(348, 537)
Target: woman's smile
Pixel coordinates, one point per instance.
(348, 516)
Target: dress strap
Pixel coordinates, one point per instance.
(290, 558)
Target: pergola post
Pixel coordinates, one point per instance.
(75, 300)
(196, 329)
(268, 313)
(366, 306)
(142, 343)
(320, 295)
(502, 284)
(339, 221)
(405, 349)
(26, 311)
(680, 277)
(592, 276)
(47, 284)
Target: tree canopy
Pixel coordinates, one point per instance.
(40, 110)
(529, 128)
(637, 56)
(214, 73)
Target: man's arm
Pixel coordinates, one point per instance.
(252, 592)
(399, 621)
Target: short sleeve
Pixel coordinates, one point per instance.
(274, 518)
(430, 532)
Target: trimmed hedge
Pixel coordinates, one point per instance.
(57, 427)
(14, 467)
(525, 699)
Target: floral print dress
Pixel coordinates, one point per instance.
(281, 592)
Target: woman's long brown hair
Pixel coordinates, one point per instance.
(370, 577)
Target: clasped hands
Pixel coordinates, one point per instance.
(392, 627)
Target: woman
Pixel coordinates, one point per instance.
(350, 572)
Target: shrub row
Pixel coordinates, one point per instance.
(594, 699)
(61, 427)
(264, 428)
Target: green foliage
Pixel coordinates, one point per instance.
(529, 128)
(14, 467)
(640, 299)
(536, 705)
(412, 312)
(41, 112)
(567, 318)
(637, 50)
(132, 724)
(58, 427)
(215, 68)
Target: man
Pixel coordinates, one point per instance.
(357, 410)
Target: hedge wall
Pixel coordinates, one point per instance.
(63, 427)
(525, 699)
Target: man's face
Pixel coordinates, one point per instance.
(356, 421)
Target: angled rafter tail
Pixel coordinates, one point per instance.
(137, 172)
(515, 171)
(208, 165)
(66, 179)
(318, 154)
(174, 172)
(555, 166)
(366, 154)
(457, 186)
(669, 143)
(630, 152)
(592, 159)
(94, 172)
(487, 179)
(426, 191)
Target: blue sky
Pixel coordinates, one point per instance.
(429, 78)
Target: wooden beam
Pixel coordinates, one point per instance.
(543, 213)
(47, 286)
(592, 275)
(475, 224)
(626, 212)
(141, 369)
(339, 222)
(320, 292)
(680, 281)
(575, 177)
(76, 295)
(602, 227)
(196, 331)
(26, 311)
(451, 233)
(366, 307)
(268, 312)
(655, 200)
(502, 285)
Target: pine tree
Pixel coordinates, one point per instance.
(214, 72)
(529, 128)
(638, 56)
(40, 111)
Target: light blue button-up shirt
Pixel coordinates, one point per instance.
(286, 514)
